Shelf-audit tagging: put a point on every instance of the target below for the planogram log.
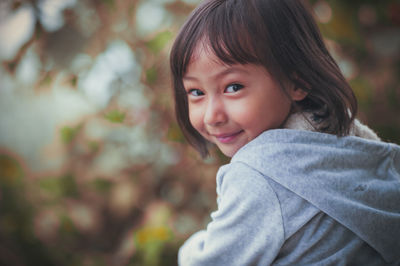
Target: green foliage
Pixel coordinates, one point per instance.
(151, 241)
(342, 26)
(175, 133)
(94, 146)
(115, 116)
(69, 133)
(363, 91)
(160, 41)
(151, 75)
(393, 97)
(58, 187)
(10, 171)
(109, 3)
(102, 185)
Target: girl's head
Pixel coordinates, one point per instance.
(241, 66)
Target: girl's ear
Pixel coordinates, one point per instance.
(297, 94)
(296, 91)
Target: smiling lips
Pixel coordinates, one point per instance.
(227, 138)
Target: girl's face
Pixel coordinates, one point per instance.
(231, 105)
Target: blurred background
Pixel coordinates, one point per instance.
(93, 167)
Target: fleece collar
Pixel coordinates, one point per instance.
(305, 121)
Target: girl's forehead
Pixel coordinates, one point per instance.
(204, 49)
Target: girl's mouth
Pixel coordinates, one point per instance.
(227, 138)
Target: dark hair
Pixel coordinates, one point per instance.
(280, 35)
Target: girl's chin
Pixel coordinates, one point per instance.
(228, 151)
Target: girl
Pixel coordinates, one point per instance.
(307, 184)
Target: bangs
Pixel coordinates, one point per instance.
(223, 28)
(229, 34)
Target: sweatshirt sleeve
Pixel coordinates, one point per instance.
(247, 227)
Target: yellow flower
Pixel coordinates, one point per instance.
(149, 234)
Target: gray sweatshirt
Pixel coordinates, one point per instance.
(293, 197)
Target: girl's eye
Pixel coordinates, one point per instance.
(195, 92)
(233, 88)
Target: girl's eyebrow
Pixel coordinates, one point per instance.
(222, 73)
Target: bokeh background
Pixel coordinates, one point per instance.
(93, 167)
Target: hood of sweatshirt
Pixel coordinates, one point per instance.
(354, 180)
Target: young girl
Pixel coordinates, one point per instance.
(307, 184)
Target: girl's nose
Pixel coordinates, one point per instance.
(215, 113)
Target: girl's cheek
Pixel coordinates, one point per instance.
(195, 117)
(240, 110)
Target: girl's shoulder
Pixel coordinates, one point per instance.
(294, 210)
(242, 176)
